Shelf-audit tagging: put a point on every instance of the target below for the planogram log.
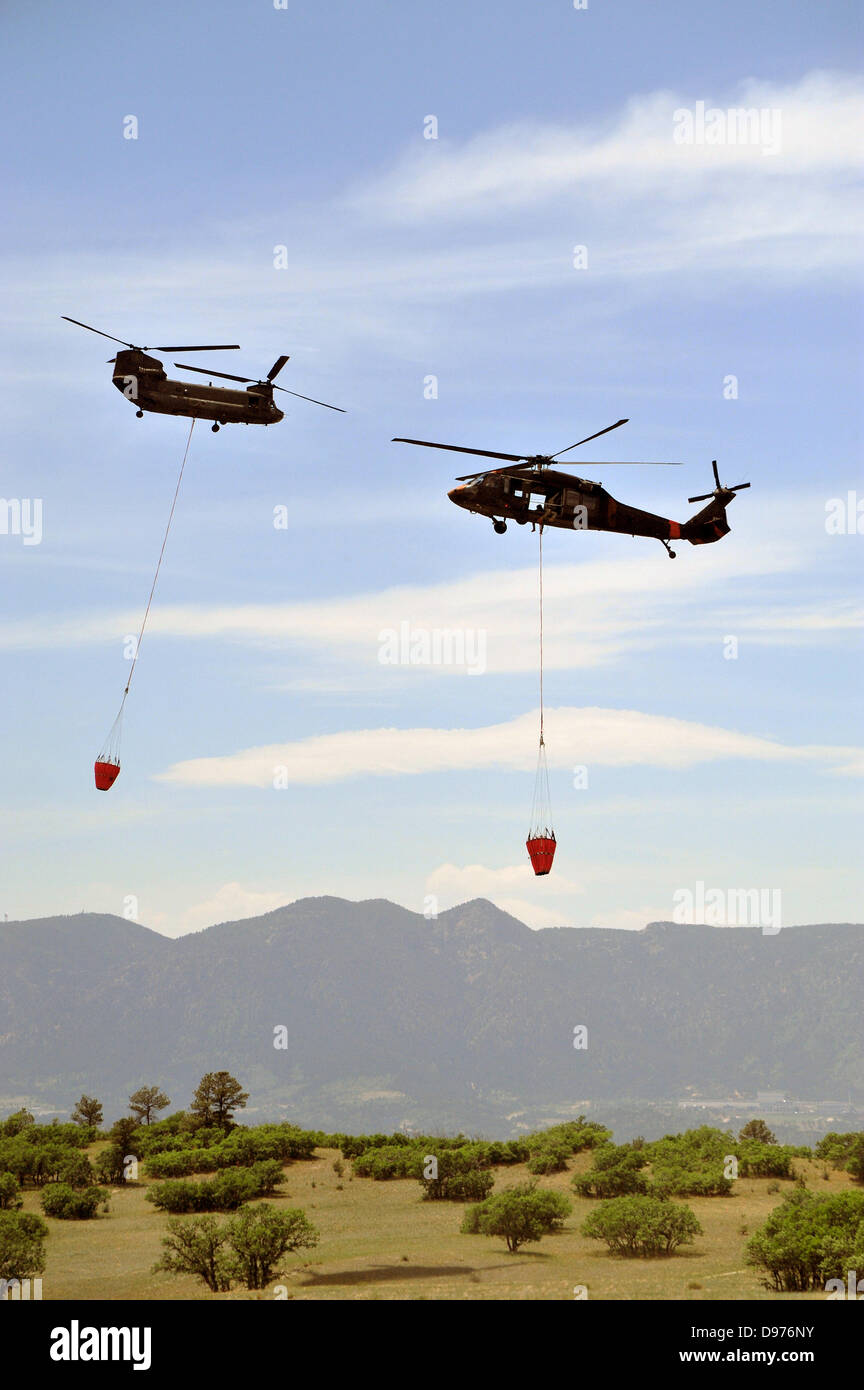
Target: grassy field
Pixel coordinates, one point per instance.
(380, 1241)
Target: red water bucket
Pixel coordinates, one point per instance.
(542, 852)
(106, 774)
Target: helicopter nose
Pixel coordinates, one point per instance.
(457, 495)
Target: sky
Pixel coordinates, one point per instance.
(481, 224)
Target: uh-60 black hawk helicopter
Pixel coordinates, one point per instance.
(530, 489)
(142, 381)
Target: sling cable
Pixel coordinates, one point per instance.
(541, 837)
(107, 765)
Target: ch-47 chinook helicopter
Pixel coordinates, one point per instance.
(531, 489)
(143, 382)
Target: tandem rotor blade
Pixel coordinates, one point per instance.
(628, 463)
(458, 449)
(162, 347)
(309, 398)
(206, 347)
(588, 437)
(276, 368)
(208, 371)
(90, 329)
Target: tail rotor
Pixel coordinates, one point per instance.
(720, 492)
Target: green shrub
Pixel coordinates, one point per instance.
(522, 1215)
(388, 1161)
(15, 1123)
(60, 1163)
(836, 1149)
(10, 1192)
(642, 1226)
(808, 1239)
(259, 1236)
(353, 1145)
(66, 1204)
(66, 1135)
(17, 1157)
(22, 1244)
(617, 1172)
(473, 1186)
(549, 1157)
(507, 1151)
(196, 1247)
(249, 1246)
(230, 1188)
(678, 1182)
(855, 1165)
(574, 1135)
(110, 1165)
(176, 1195)
(180, 1163)
(458, 1175)
(757, 1160)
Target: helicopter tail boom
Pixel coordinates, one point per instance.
(707, 526)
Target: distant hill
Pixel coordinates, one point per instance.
(464, 1022)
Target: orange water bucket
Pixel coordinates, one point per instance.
(542, 851)
(106, 774)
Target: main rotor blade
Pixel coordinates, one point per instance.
(208, 371)
(309, 398)
(97, 330)
(531, 466)
(617, 424)
(276, 368)
(625, 463)
(207, 347)
(493, 472)
(458, 449)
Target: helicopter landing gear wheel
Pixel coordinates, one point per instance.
(140, 414)
(215, 428)
(669, 551)
(499, 527)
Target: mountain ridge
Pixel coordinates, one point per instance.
(393, 1018)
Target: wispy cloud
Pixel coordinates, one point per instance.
(701, 203)
(590, 737)
(596, 611)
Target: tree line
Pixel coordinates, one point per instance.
(808, 1239)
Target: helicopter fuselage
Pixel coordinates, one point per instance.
(550, 497)
(142, 380)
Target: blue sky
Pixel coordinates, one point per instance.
(409, 258)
